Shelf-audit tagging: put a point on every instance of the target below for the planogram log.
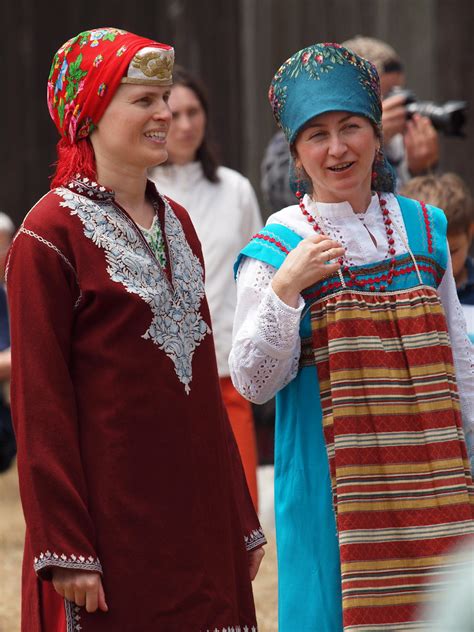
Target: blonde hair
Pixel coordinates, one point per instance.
(383, 56)
(448, 192)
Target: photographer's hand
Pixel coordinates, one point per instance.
(421, 144)
(394, 116)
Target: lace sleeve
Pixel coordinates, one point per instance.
(462, 353)
(266, 343)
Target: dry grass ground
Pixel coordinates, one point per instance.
(11, 550)
(11, 546)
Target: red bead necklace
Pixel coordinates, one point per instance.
(384, 279)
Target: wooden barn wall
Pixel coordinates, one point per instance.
(235, 45)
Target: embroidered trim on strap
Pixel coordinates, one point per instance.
(429, 234)
(273, 240)
(256, 538)
(78, 562)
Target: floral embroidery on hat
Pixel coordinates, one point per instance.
(323, 78)
(101, 89)
(93, 37)
(86, 128)
(75, 77)
(62, 74)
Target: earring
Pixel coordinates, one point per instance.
(298, 172)
(377, 161)
(298, 193)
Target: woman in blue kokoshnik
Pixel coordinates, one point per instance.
(347, 310)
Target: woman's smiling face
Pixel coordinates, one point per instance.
(134, 127)
(337, 151)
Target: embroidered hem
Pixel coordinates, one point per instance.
(255, 539)
(78, 562)
(73, 621)
(73, 618)
(236, 628)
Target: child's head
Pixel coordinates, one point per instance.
(450, 193)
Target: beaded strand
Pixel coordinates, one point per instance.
(384, 279)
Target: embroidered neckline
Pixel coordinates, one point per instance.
(177, 326)
(152, 227)
(91, 189)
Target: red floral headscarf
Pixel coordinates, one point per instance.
(86, 72)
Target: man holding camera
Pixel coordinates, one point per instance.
(411, 142)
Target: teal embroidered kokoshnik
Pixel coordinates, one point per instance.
(329, 78)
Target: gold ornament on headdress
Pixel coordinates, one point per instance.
(152, 68)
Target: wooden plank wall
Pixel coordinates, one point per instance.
(236, 46)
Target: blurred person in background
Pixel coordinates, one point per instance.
(7, 437)
(347, 311)
(138, 516)
(411, 144)
(454, 610)
(449, 192)
(224, 211)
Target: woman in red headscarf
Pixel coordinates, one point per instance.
(138, 516)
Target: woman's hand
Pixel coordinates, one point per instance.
(255, 558)
(307, 264)
(84, 588)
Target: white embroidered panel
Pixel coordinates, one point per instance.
(177, 326)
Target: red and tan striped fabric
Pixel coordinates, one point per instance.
(403, 493)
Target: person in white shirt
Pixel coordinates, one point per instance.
(225, 213)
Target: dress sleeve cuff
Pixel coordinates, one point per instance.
(255, 539)
(45, 561)
(277, 325)
(295, 311)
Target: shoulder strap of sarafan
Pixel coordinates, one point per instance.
(270, 245)
(426, 227)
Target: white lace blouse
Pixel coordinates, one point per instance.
(266, 343)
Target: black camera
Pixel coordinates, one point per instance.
(449, 117)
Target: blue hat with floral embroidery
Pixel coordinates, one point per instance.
(326, 78)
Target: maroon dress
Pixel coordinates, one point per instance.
(126, 459)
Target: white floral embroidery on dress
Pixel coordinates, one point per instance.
(78, 562)
(254, 539)
(237, 628)
(177, 326)
(73, 617)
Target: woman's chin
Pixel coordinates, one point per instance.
(157, 158)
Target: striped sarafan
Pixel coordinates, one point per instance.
(402, 487)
